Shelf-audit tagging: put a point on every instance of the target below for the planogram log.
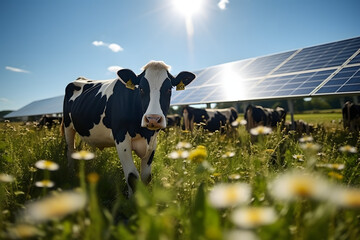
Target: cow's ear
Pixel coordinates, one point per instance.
(129, 77)
(182, 80)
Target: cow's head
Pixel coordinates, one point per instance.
(154, 86)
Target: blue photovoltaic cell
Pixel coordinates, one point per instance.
(347, 80)
(290, 85)
(355, 59)
(322, 56)
(46, 106)
(264, 65)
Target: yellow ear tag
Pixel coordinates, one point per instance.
(130, 85)
(180, 86)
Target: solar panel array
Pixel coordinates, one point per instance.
(42, 107)
(327, 69)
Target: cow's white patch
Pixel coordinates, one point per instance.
(156, 77)
(100, 136)
(107, 87)
(211, 112)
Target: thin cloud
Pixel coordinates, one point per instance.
(112, 46)
(98, 43)
(114, 69)
(4, 100)
(19, 70)
(222, 4)
(115, 47)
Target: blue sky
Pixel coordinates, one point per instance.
(45, 44)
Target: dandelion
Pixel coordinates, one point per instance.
(47, 165)
(185, 145)
(198, 154)
(306, 139)
(260, 130)
(335, 166)
(253, 217)
(22, 231)
(348, 148)
(346, 197)
(298, 157)
(335, 175)
(295, 185)
(83, 155)
(54, 207)
(178, 154)
(228, 155)
(229, 195)
(6, 178)
(93, 177)
(45, 184)
(269, 151)
(310, 146)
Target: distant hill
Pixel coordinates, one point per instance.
(3, 113)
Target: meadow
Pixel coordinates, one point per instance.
(204, 186)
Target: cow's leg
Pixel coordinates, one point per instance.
(70, 141)
(131, 173)
(146, 167)
(145, 150)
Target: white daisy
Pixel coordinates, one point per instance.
(229, 195)
(54, 207)
(253, 216)
(47, 165)
(297, 185)
(260, 130)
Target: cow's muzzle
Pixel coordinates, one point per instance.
(154, 121)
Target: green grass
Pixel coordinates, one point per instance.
(176, 204)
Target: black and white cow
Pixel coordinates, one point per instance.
(258, 115)
(173, 120)
(126, 112)
(351, 116)
(213, 119)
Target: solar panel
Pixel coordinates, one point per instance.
(46, 106)
(327, 69)
(322, 69)
(322, 56)
(346, 81)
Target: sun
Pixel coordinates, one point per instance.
(188, 8)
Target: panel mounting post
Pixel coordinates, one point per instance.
(291, 110)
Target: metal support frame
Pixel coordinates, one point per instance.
(291, 110)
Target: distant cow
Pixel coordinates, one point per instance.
(213, 119)
(126, 112)
(258, 115)
(173, 120)
(300, 127)
(351, 116)
(48, 121)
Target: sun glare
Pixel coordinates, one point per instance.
(188, 7)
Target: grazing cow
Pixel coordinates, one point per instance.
(351, 116)
(126, 112)
(300, 126)
(258, 115)
(48, 121)
(173, 120)
(213, 119)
